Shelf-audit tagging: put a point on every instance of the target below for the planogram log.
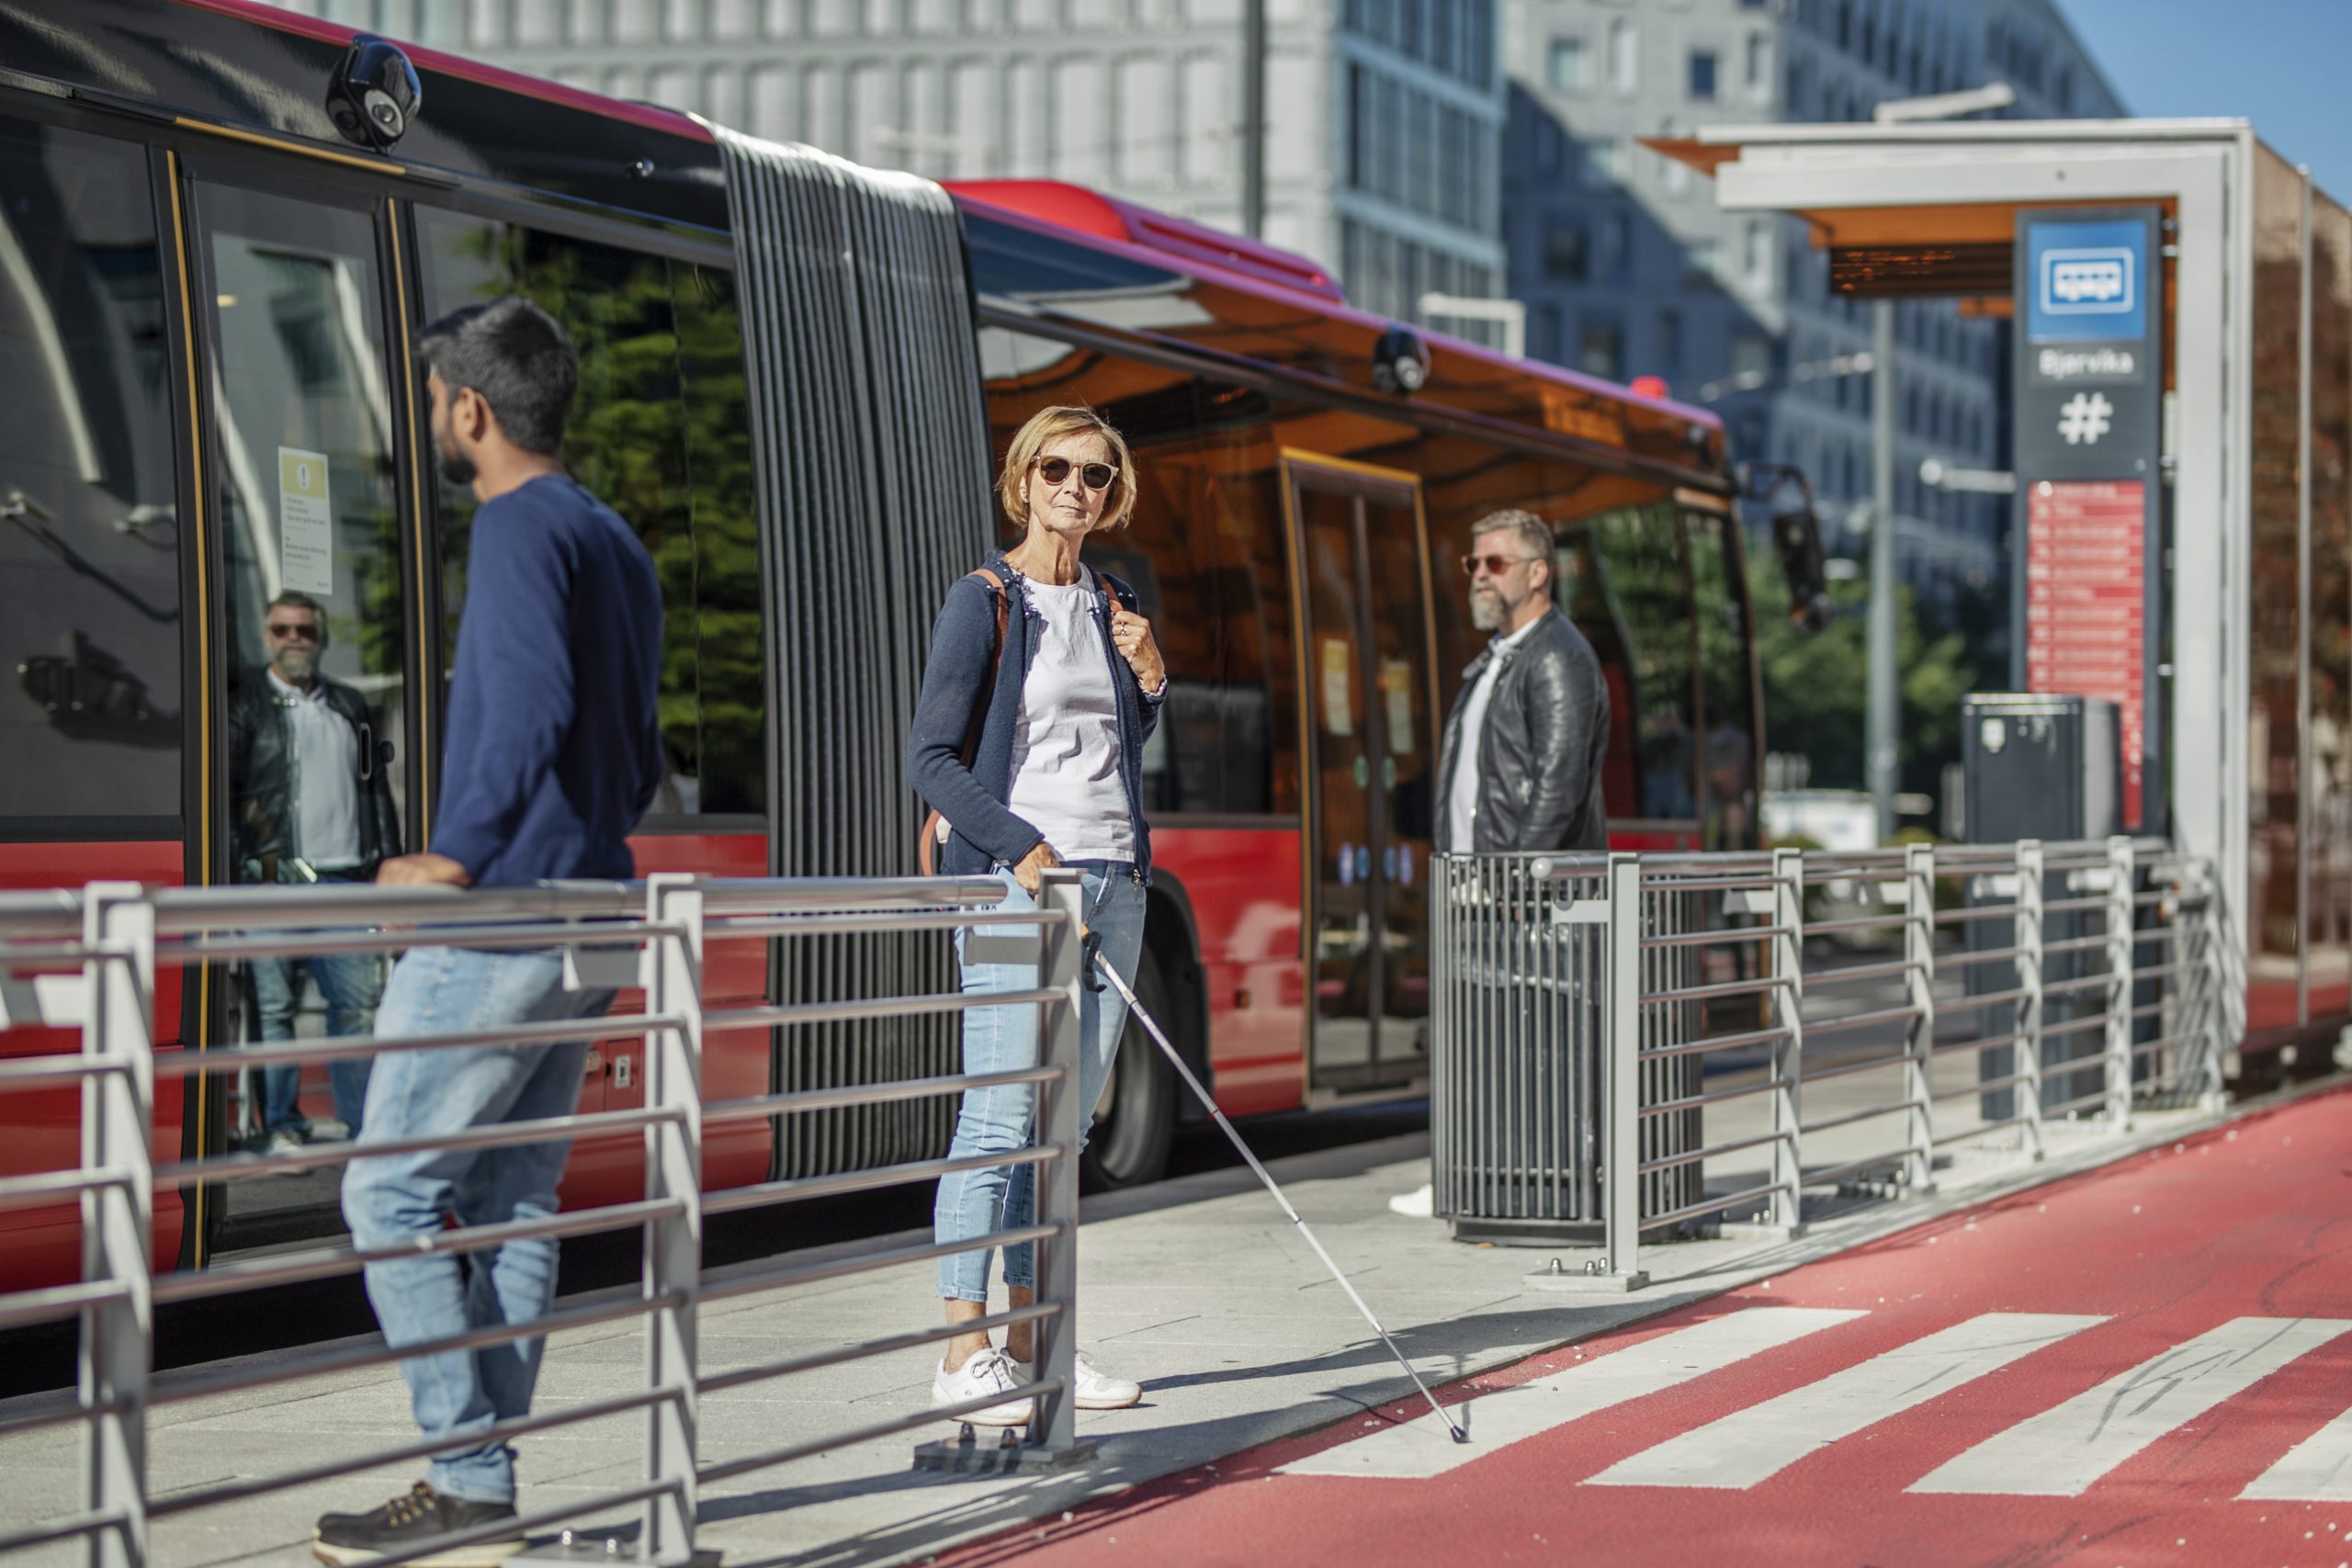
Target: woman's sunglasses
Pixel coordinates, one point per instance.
(1096, 476)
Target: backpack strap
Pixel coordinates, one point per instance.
(979, 718)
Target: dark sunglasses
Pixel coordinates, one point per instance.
(286, 631)
(1096, 476)
(1496, 565)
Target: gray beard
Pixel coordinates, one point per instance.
(298, 666)
(1487, 612)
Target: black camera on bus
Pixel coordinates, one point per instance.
(1400, 361)
(374, 95)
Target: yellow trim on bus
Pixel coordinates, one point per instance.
(285, 144)
(421, 680)
(203, 623)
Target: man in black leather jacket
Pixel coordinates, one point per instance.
(312, 802)
(1520, 767)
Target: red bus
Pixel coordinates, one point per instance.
(204, 285)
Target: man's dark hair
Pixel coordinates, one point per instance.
(291, 600)
(517, 358)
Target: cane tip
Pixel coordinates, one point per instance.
(1460, 1436)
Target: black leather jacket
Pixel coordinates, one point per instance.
(262, 819)
(1540, 748)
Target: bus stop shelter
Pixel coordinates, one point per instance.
(2234, 341)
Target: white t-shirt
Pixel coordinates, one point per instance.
(326, 774)
(1066, 749)
(1462, 806)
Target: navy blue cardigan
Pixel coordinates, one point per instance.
(963, 641)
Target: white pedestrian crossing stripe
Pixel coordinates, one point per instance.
(2062, 1451)
(1423, 1448)
(1754, 1444)
(2317, 1470)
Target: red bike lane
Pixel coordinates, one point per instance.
(2149, 1363)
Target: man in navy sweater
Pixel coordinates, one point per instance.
(553, 753)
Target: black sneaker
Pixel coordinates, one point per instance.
(411, 1519)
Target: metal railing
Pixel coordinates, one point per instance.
(89, 959)
(2091, 975)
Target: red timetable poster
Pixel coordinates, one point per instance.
(2086, 600)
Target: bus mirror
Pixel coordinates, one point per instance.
(1796, 532)
(1802, 562)
(375, 93)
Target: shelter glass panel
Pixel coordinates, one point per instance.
(2329, 861)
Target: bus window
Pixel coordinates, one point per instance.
(89, 539)
(660, 432)
(313, 629)
(1206, 564)
(1726, 683)
(1628, 589)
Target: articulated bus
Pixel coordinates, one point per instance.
(209, 295)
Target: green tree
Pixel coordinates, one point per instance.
(1816, 686)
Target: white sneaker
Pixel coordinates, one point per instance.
(1096, 1391)
(283, 1141)
(990, 1371)
(1415, 1205)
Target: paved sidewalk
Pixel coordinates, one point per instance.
(1197, 1287)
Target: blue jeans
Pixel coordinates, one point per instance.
(1005, 1039)
(389, 1199)
(352, 982)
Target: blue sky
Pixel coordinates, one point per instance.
(2280, 63)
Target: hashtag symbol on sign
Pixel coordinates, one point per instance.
(2084, 417)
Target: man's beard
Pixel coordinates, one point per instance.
(297, 666)
(456, 467)
(1487, 610)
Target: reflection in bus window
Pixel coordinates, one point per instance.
(89, 565)
(314, 624)
(1203, 552)
(660, 432)
(1629, 591)
(1727, 690)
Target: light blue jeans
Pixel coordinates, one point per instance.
(350, 983)
(1005, 1039)
(389, 1199)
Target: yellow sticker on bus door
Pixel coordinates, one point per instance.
(1338, 686)
(1397, 691)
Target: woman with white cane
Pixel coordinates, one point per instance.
(1042, 686)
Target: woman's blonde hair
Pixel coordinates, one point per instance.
(1049, 425)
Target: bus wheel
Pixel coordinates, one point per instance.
(1137, 1122)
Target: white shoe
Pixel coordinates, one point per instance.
(1418, 1204)
(990, 1371)
(286, 1143)
(1096, 1391)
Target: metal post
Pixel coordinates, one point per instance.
(1620, 1129)
(2211, 975)
(1254, 118)
(2123, 881)
(1883, 718)
(673, 1263)
(118, 1220)
(1788, 1053)
(2028, 1057)
(1919, 958)
(1059, 1126)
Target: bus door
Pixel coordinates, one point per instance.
(314, 725)
(1370, 754)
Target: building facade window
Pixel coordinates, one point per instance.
(1570, 65)
(1601, 347)
(1702, 75)
(1668, 353)
(1565, 250)
(1604, 164)
(1624, 56)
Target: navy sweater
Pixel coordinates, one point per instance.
(987, 834)
(553, 751)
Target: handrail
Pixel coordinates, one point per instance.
(1681, 959)
(107, 941)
